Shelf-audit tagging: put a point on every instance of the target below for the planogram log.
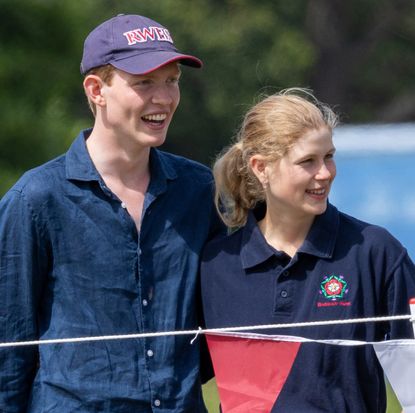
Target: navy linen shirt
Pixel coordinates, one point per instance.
(345, 269)
(72, 264)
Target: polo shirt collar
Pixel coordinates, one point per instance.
(254, 249)
(320, 240)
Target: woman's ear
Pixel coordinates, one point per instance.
(258, 165)
(93, 89)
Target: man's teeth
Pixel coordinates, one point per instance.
(155, 118)
(317, 191)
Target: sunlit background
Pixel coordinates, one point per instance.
(375, 179)
(357, 55)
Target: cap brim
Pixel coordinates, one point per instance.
(144, 63)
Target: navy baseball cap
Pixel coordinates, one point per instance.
(134, 44)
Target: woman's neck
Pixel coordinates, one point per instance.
(285, 233)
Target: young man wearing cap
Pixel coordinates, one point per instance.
(105, 240)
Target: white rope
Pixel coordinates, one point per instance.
(201, 331)
(197, 334)
(336, 342)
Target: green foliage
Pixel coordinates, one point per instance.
(355, 55)
(39, 83)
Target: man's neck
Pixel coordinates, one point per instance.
(125, 172)
(127, 165)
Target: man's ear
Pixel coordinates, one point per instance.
(93, 89)
(258, 164)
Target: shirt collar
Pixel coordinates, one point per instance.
(79, 165)
(161, 170)
(254, 248)
(320, 240)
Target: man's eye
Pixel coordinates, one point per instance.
(143, 82)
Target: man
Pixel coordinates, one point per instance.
(106, 240)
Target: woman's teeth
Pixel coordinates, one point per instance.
(316, 191)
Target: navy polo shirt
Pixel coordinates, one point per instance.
(345, 269)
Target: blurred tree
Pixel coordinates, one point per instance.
(357, 55)
(365, 55)
(39, 83)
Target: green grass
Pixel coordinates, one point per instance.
(211, 397)
(393, 404)
(210, 394)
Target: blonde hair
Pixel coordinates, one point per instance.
(106, 73)
(269, 129)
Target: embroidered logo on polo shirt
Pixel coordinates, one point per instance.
(334, 289)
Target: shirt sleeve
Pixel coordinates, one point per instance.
(23, 263)
(400, 289)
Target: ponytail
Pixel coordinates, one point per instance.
(237, 188)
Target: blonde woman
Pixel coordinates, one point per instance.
(293, 257)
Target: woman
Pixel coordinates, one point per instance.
(295, 258)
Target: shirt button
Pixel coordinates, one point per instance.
(145, 303)
(150, 353)
(286, 273)
(284, 294)
(123, 205)
(157, 403)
